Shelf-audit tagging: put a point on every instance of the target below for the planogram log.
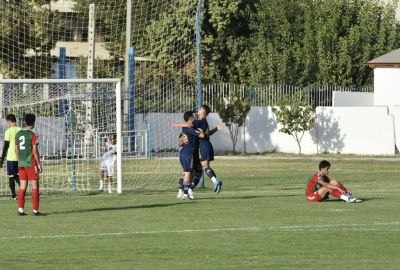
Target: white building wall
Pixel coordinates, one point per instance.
(387, 86)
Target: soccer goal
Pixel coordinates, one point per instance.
(74, 119)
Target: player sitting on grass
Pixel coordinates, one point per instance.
(9, 153)
(28, 164)
(107, 163)
(188, 135)
(205, 146)
(320, 186)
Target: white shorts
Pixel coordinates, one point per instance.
(108, 168)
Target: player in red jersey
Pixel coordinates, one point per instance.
(26, 141)
(320, 186)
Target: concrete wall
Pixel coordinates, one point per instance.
(387, 86)
(349, 99)
(349, 130)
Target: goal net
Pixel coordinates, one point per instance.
(72, 40)
(74, 121)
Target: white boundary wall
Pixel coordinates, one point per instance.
(349, 130)
(348, 99)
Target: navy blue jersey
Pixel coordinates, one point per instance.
(192, 135)
(203, 124)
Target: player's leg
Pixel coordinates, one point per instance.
(319, 195)
(207, 155)
(22, 190)
(186, 161)
(110, 174)
(33, 177)
(197, 170)
(337, 183)
(12, 172)
(35, 197)
(180, 187)
(101, 181)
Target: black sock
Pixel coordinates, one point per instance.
(11, 182)
(16, 179)
(210, 172)
(181, 182)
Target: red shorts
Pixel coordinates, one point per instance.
(28, 173)
(314, 197)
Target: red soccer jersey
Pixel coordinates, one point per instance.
(313, 185)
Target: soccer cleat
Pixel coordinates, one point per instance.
(191, 194)
(109, 190)
(184, 197)
(353, 200)
(21, 214)
(37, 214)
(218, 186)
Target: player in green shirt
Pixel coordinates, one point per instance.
(9, 153)
(28, 164)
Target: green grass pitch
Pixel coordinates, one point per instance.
(261, 220)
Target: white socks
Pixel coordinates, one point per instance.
(214, 179)
(345, 198)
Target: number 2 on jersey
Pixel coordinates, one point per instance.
(22, 143)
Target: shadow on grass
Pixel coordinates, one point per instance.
(248, 197)
(117, 208)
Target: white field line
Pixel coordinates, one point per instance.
(292, 228)
(129, 233)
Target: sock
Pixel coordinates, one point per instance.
(11, 183)
(21, 199)
(186, 188)
(35, 200)
(343, 188)
(336, 193)
(196, 181)
(16, 179)
(210, 172)
(180, 182)
(344, 198)
(101, 183)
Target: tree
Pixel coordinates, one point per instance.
(295, 116)
(28, 33)
(233, 112)
(318, 42)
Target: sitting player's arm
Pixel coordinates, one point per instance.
(220, 126)
(327, 185)
(3, 155)
(186, 124)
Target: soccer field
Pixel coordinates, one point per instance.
(260, 220)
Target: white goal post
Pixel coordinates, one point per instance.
(70, 115)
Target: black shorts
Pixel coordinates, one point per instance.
(206, 151)
(12, 168)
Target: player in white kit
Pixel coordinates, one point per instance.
(107, 162)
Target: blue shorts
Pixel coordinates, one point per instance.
(186, 162)
(206, 151)
(12, 168)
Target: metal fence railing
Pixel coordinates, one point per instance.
(268, 95)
